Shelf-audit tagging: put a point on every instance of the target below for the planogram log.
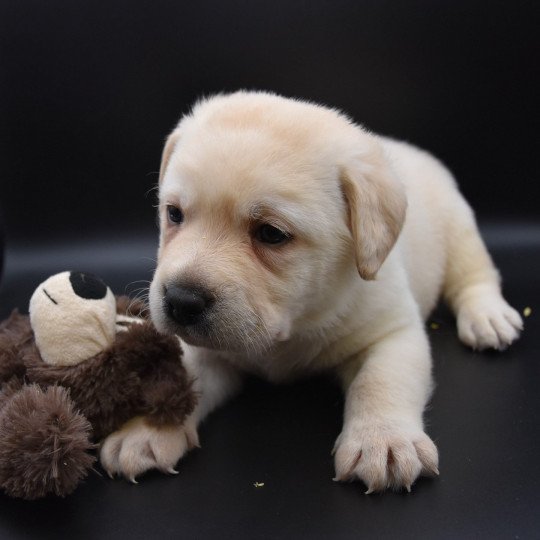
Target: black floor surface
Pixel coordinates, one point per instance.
(484, 417)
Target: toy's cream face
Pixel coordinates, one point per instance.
(254, 240)
(73, 316)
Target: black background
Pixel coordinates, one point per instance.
(90, 90)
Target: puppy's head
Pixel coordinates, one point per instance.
(268, 208)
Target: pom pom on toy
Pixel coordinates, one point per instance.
(45, 442)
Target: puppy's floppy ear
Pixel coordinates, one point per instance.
(376, 204)
(170, 144)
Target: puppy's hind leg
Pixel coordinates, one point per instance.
(472, 286)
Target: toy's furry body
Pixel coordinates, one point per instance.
(50, 416)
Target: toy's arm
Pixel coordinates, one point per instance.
(140, 446)
(169, 399)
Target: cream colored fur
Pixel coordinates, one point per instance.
(69, 329)
(378, 232)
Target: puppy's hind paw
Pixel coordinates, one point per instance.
(487, 322)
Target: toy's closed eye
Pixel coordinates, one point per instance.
(50, 297)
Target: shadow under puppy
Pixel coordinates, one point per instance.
(294, 241)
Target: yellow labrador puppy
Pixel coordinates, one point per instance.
(293, 241)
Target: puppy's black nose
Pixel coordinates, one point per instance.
(186, 305)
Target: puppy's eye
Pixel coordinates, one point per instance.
(174, 214)
(268, 234)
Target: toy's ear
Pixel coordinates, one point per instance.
(73, 316)
(376, 204)
(168, 149)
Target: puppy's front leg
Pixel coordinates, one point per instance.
(138, 446)
(383, 442)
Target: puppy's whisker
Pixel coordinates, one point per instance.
(141, 295)
(141, 291)
(154, 189)
(139, 281)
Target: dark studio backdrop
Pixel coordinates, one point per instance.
(90, 89)
(88, 92)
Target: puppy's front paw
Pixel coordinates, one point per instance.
(487, 321)
(138, 447)
(384, 456)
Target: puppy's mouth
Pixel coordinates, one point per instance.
(221, 320)
(223, 336)
(221, 330)
(198, 335)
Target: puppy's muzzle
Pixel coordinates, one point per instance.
(187, 305)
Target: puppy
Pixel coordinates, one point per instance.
(293, 241)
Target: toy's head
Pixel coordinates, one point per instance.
(116, 366)
(73, 316)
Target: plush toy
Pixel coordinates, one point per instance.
(73, 371)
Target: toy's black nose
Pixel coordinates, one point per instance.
(87, 286)
(186, 305)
